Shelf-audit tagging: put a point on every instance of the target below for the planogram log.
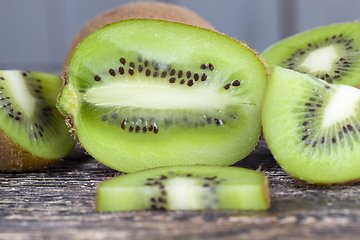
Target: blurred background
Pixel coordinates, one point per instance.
(35, 34)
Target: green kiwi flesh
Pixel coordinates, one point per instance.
(185, 188)
(312, 127)
(146, 93)
(33, 132)
(330, 53)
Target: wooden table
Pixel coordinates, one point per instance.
(58, 203)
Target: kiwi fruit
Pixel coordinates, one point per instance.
(144, 93)
(330, 53)
(33, 133)
(312, 127)
(185, 188)
(151, 10)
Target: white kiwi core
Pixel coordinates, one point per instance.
(320, 59)
(20, 91)
(154, 96)
(341, 106)
(183, 194)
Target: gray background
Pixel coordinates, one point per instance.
(35, 34)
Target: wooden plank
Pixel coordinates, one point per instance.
(58, 203)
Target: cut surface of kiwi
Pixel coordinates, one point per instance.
(312, 127)
(185, 188)
(147, 93)
(33, 132)
(330, 53)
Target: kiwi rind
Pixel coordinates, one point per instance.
(14, 158)
(149, 10)
(29, 134)
(226, 188)
(283, 98)
(70, 97)
(345, 39)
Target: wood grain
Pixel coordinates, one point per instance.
(58, 203)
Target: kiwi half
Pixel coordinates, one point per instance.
(33, 133)
(312, 128)
(330, 53)
(145, 93)
(150, 10)
(185, 188)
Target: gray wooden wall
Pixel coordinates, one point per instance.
(35, 34)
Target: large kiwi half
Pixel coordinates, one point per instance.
(312, 128)
(330, 53)
(145, 93)
(185, 188)
(33, 133)
(151, 10)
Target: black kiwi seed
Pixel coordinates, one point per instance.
(196, 76)
(121, 70)
(182, 81)
(180, 74)
(217, 121)
(141, 68)
(155, 74)
(156, 130)
(190, 83)
(112, 72)
(172, 80)
(163, 74)
(188, 74)
(236, 83)
(132, 65)
(211, 67)
(151, 128)
(131, 128)
(122, 61)
(203, 66)
(147, 72)
(104, 118)
(172, 72)
(146, 63)
(131, 71)
(156, 66)
(123, 125)
(140, 59)
(2, 78)
(114, 116)
(227, 86)
(97, 78)
(203, 77)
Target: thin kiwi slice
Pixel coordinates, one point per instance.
(312, 128)
(146, 93)
(33, 133)
(330, 53)
(185, 188)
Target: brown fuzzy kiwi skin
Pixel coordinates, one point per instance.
(149, 10)
(14, 158)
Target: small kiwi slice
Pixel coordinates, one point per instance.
(330, 53)
(33, 133)
(144, 93)
(312, 127)
(185, 188)
(150, 10)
